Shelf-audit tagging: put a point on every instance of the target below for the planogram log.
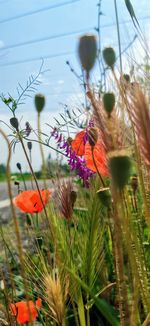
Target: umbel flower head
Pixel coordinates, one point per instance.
(29, 201)
(21, 310)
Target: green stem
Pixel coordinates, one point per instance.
(118, 33)
(103, 184)
(41, 150)
(81, 311)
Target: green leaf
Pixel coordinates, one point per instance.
(105, 308)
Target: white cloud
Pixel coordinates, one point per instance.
(60, 82)
(1, 44)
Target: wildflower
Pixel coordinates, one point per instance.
(21, 310)
(74, 161)
(29, 201)
(99, 162)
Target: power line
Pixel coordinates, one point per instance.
(33, 12)
(15, 62)
(49, 56)
(46, 38)
(42, 39)
(129, 21)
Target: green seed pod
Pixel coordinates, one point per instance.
(93, 136)
(109, 102)
(39, 102)
(14, 123)
(87, 51)
(104, 196)
(109, 56)
(120, 169)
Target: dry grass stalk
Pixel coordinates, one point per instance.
(67, 197)
(55, 298)
(140, 115)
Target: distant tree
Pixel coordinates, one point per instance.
(2, 169)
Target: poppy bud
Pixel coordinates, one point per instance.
(73, 197)
(14, 123)
(87, 51)
(126, 78)
(109, 56)
(69, 140)
(109, 102)
(104, 196)
(16, 183)
(29, 144)
(134, 183)
(39, 241)
(93, 136)
(120, 169)
(39, 102)
(18, 166)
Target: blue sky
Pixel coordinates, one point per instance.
(58, 84)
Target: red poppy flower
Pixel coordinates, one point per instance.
(99, 158)
(78, 143)
(29, 201)
(21, 312)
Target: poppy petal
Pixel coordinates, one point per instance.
(78, 143)
(29, 201)
(99, 158)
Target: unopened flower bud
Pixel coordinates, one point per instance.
(16, 183)
(87, 51)
(69, 140)
(104, 196)
(109, 102)
(39, 102)
(126, 78)
(18, 166)
(14, 123)
(93, 136)
(120, 169)
(73, 197)
(109, 56)
(29, 144)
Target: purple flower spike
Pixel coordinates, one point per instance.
(75, 162)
